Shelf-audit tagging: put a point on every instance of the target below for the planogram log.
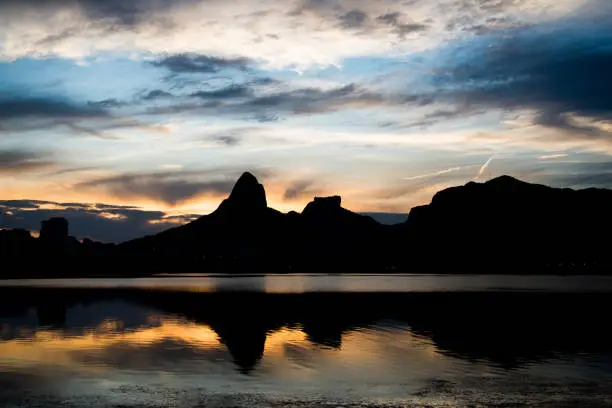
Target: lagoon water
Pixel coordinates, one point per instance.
(300, 283)
(306, 340)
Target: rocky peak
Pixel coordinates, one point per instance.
(248, 193)
(323, 205)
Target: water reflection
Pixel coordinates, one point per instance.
(358, 283)
(382, 345)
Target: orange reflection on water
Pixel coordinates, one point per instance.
(169, 344)
(57, 347)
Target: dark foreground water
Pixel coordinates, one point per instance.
(299, 341)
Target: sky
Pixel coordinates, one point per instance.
(130, 117)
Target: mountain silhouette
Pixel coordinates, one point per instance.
(247, 194)
(244, 234)
(242, 228)
(506, 223)
(501, 226)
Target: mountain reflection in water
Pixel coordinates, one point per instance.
(381, 348)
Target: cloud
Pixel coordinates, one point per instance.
(229, 92)
(104, 222)
(22, 204)
(19, 113)
(293, 33)
(353, 19)
(25, 113)
(552, 156)
(16, 107)
(169, 187)
(252, 102)
(80, 129)
(400, 27)
(300, 188)
(70, 170)
(156, 94)
(586, 171)
(114, 12)
(18, 162)
(558, 70)
(190, 64)
(312, 100)
(228, 140)
(106, 103)
(240, 135)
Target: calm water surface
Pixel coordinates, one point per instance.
(300, 283)
(408, 340)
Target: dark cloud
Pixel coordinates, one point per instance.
(312, 100)
(585, 179)
(168, 187)
(171, 187)
(436, 116)
(237, 136)
(114, 12)
(399, 25)
(16, 107)
(300, 188)
(390, 18)
(80, 129)
(559, 72)
(248, 100)
(106, 103)
(577, 172)
(156, 94)
(23, 114)
(110, 206)
(353, 19)
(75, 205)
(396, 22)
(103, 222)
(35, 113)
(563, 121)
(228, 140)
(265, 81)
(189, 64)
(229, 92)
(53, 39)
(22, 204)
(17, 161)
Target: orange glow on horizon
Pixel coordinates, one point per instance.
(354, 197)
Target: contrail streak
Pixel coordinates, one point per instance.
(421, 176)
(552, 156)
(484, 167)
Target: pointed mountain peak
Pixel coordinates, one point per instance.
(247, 178)
(248, 192)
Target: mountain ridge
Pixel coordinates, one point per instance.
(503, 225)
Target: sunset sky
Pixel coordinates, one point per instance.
(153, 108)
